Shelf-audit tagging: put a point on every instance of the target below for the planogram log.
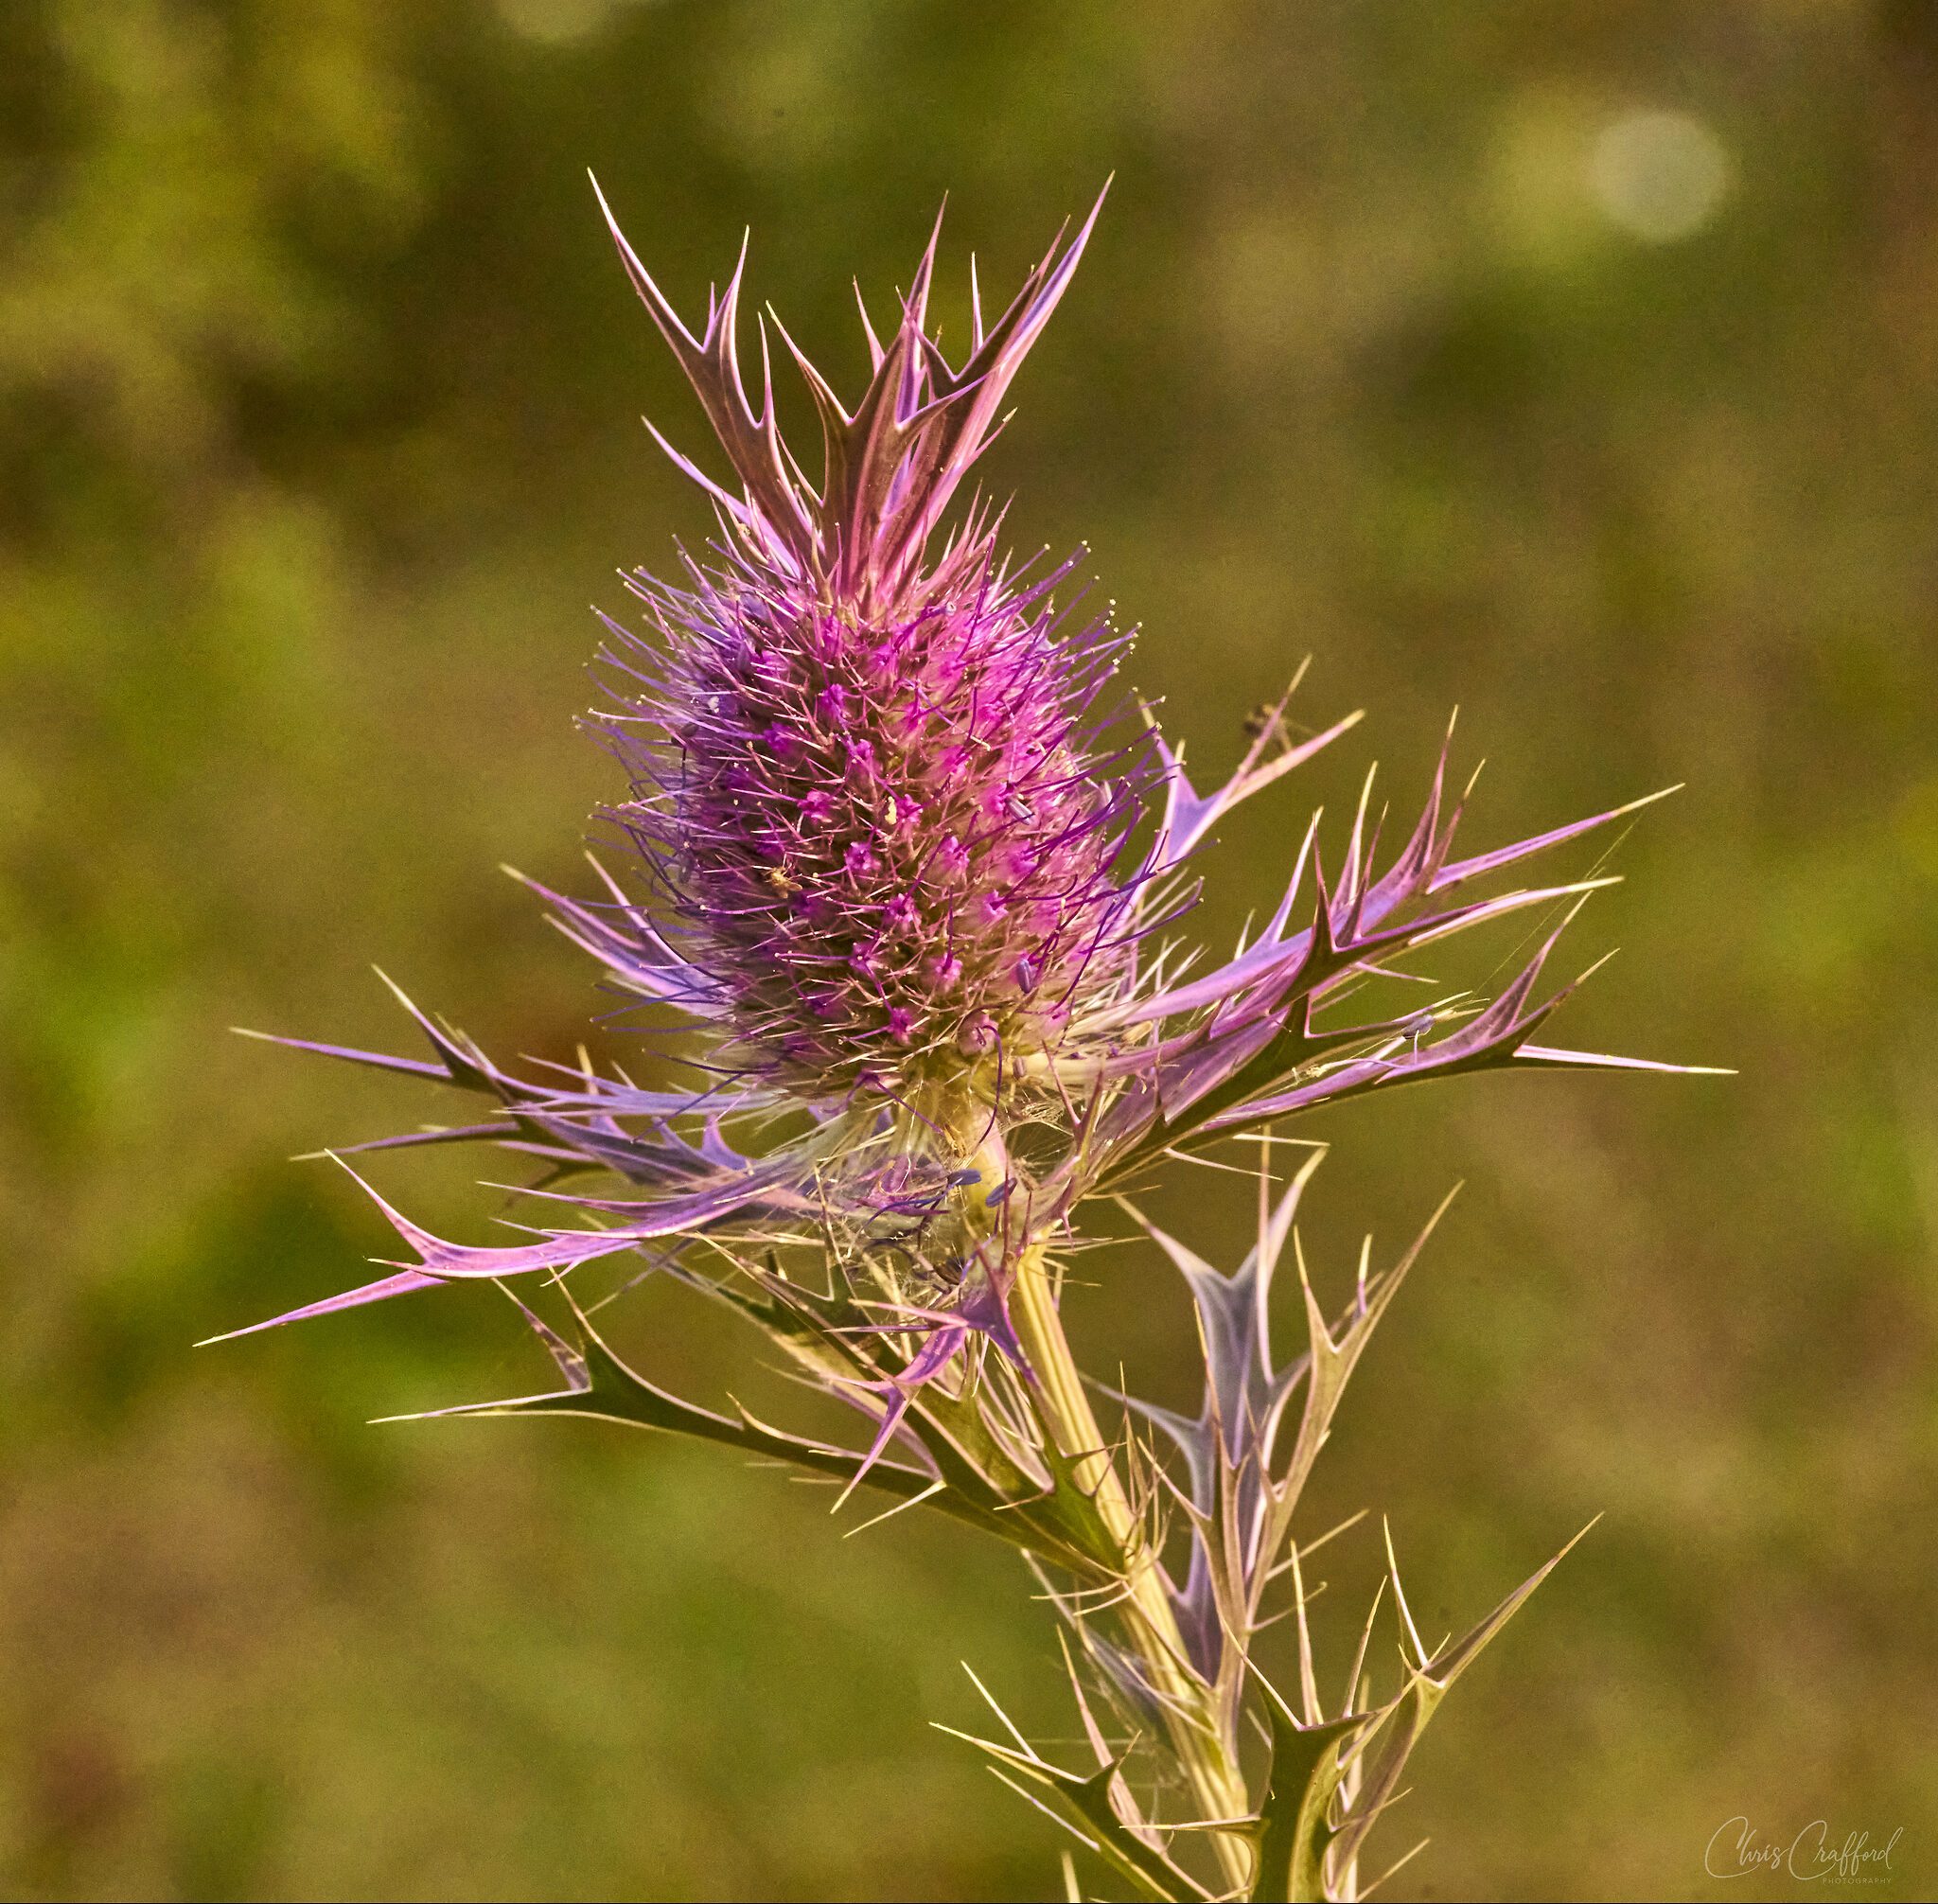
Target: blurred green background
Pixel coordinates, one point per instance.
(1574, 362)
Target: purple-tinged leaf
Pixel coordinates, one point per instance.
(945, 1342)
(555, 1252)
(1189, 816)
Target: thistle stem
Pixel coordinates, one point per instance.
(1208, 1759)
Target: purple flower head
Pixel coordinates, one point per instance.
(863, 783)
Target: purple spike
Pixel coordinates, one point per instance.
(941, 1349)
(412, 1067)
(402, 1283)
(1483, 863)
(456, 1133)
(1189, 818)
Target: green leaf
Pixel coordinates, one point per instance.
(1294, 1830)
(1060, 1524)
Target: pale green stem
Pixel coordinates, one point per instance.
(1204, 1756)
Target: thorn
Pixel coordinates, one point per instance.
(1400, 1596)
(989, 1699)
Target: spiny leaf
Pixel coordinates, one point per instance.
(603, 1387)
(1333, 1359)
(1426, 1686)
(1295, 1828)
(1082, 1807)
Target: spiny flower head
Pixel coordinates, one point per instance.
(863, 783)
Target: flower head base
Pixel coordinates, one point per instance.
(863, 785)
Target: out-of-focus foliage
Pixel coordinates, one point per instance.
(1411, 339)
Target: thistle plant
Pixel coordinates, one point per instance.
(901, 882)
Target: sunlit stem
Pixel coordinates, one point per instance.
(988, 1211)
(1202, 1752)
